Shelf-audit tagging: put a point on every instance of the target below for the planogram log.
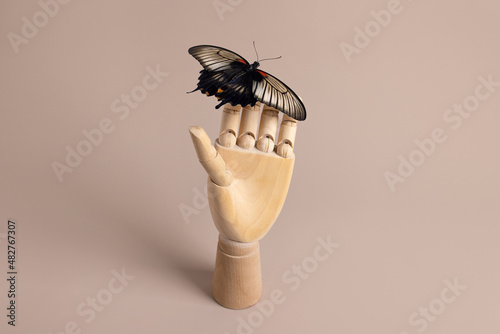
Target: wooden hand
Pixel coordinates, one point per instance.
(248, 178)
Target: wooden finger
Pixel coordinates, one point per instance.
(248, 126)
(286, 139)
(267, 129)
(229, 125)
(210, 158)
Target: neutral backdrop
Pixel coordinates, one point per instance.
(370, 97)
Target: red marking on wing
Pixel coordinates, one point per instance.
(262, 73)
(242, 61)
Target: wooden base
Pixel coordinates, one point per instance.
(237, 278)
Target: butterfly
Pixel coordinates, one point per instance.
(232, 79)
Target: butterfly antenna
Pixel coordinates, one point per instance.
(258, 54)
(255, 51)
(271, 58)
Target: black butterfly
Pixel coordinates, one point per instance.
(234, 80)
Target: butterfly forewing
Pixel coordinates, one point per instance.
(214, 58)
(274, 93)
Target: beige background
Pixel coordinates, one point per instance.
(120, 208)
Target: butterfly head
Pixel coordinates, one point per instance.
(254, 65)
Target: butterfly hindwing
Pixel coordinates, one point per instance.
(237, 91)
(210, 82)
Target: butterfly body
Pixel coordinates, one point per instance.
(231, 79)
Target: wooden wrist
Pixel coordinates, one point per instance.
(237, 277)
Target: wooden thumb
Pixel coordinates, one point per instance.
(210, 158)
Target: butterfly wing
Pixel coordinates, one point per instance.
(237, 91)
(220, 66)
(215, 58)
(275, 93)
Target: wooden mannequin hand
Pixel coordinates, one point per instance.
(248, 178)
